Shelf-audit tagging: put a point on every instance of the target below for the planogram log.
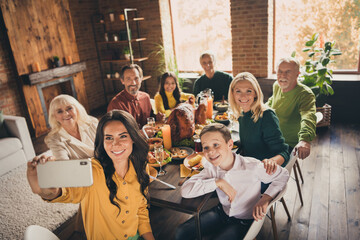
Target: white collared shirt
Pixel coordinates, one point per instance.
(245, 177)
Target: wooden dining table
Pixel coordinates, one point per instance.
(166, 197)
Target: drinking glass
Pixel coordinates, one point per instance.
(197, 141)
(151, 121)
(159, 155)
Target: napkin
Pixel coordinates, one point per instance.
(184, 171)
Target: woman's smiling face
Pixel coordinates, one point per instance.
(66, 115)
(244, 95)
(117, 141)
(169, 84)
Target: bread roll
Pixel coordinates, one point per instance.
(192, 162)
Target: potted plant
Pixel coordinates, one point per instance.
(317, 74)
(56, 61)
(126, 52)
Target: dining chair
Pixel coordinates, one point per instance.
(257, 225)
(36, 232)
(296, 165)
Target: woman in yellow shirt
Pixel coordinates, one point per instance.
(115, 206)
(170, 95)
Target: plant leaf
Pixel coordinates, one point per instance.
(325, 61)
(309, 43)
(329, 89)
(305, 49)
(328, 80)
(321, 70)
(310, 54)
(293, 54)
(315, 36)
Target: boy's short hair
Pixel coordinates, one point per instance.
(217, 127)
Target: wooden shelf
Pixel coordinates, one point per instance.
(117, 79)
(124, 60)
(118, 21)
(122, 41)
(34, 78)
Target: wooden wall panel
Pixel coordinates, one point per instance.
(39, 30)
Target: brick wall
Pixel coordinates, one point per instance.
(150, 28)
(10, 100)
(249, 23)
(81, 12)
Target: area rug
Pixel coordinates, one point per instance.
(20, 207)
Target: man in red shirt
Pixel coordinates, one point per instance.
(136, 102)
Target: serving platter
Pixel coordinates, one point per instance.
(188, 151)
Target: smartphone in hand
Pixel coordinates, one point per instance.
(65, 173)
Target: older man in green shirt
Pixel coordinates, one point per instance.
(294, 104)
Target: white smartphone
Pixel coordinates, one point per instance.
(65, 173)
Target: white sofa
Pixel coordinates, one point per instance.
(18, 148)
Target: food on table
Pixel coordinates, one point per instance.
(195, 160)
(152, 159)
(222, 117)
(178, 152)
(198, 167)
(200, 114)
(182, 120)
(154, 141)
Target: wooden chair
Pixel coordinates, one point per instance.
(296, 166)
(257, 225)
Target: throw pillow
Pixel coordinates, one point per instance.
(3, 131)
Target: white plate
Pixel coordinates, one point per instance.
(186, 160)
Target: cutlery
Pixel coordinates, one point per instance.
(167, 184)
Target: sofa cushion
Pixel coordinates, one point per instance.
(3, 131)
(9, 146)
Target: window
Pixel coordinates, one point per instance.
(199, 26)
(339, 20)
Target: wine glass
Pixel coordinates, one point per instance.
(151, 121)
(159, 156)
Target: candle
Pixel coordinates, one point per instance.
(36, 67)
(68, 60)
(209, 111)
(166, 132)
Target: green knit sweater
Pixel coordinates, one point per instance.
(262, 139)
(296, 112)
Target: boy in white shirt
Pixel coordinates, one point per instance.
(237, 181)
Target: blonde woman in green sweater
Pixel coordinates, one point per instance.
(170, 95)
(259, 130)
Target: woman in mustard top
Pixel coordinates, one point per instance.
(115, 206)
(170, 95)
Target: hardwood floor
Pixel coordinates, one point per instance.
(331, 193)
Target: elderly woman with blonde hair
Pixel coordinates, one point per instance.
(73, 131)
(260, 134)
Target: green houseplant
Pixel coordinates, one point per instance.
(316, 73)
(126, 52)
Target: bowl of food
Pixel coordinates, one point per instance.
(222, 107)
(222, 118)
(154, 141)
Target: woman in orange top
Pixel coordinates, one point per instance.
(115, 206)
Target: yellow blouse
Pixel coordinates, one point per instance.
(159, 104)
(101, 219)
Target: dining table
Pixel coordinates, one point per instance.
(166, 197)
